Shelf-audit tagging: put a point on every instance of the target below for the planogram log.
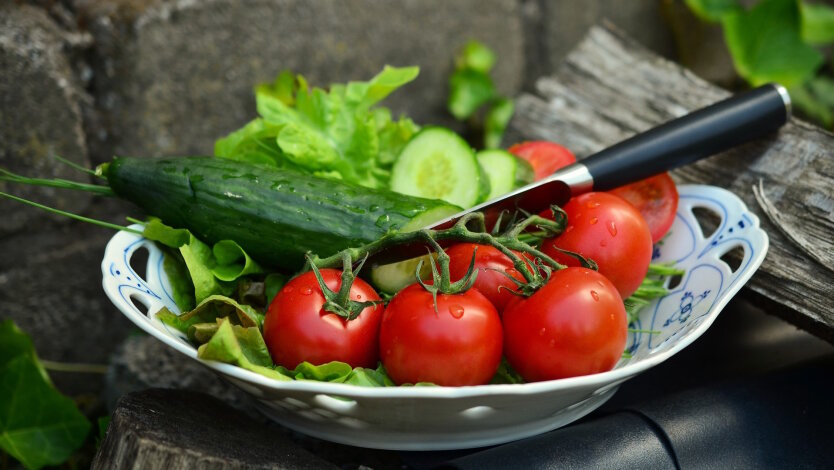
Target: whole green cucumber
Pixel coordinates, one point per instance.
(276, 215)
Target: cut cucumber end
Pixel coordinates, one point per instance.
(438, 164)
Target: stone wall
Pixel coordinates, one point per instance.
(88, 79)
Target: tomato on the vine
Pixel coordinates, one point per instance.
(657, 200)
(611, 232)
(457, 344)
(493, 268)
(545, 157)
(574, 325)
(297, 328)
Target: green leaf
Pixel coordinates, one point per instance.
(232, 261)
(817, 23)
(393, 135)
(506, 374)
(475, 56)
(378, 88)
(103, 423)
(272, 285)
(182, 288)
(307, 147)
(208, 311)
(370, 377)
(38, 425)
(199, 259)
(766, 45)
(469, 90)
(253, 143)
(815, 99)
(243, 347)
(713, 10)
(171, 237)
(282, 89)
(331, 134)
(15, 343)
(496, 121)
(331, 372)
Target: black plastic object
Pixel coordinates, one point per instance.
(782, 420)
(701, 133)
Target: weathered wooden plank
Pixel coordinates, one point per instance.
(181, 429)
(610, 88)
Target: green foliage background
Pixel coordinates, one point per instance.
(780, 41)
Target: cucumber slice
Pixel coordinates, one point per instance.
(438, 164)
(391, 278)
(504, 170)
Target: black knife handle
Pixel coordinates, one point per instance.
(699, 134)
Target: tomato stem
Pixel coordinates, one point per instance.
(340, 303)
(470, 228)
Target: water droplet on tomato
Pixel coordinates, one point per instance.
(552, 343)
(456, 311)
(542, 331)
(601, 284)
(358, 296)
(288, 289)
(569, 228)
(612, 228)
(593, 220)
(592, 204)
(595, 295)
(306, 291)
(603, 242)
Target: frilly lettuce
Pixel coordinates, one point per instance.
(334, 134)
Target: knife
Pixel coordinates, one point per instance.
(701, 133)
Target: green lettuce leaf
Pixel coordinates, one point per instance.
(210, 270)
(240, 346)
(333, 134)
(232, 262)
(209, 311)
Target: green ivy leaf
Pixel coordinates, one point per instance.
(496, 122)
(713, 10)
(475, 56)
(817, 23)
(469, 90)
(15, 343)
(815, 98)
(38, 425)
(766, 45)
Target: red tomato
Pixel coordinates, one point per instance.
(459, 344)
(657, 200)
(493, 268)
(574, 325)
(611, 232)
(297, 329)
(545, 157)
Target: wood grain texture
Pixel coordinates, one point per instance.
(610, 88)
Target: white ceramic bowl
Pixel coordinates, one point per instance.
(435, 418)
